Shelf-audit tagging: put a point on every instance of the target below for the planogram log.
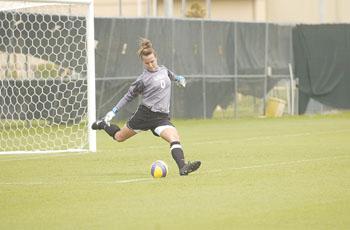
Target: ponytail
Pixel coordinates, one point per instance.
(145, 48)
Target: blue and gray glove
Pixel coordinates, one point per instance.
(180, 81)
(110, 115)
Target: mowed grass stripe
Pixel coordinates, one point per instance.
(124, 149)
(297, 163)
(288, 173)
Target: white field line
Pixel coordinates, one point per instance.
(128, 181)
(279, 164)
(271, 137)
(149, 179)
(125, 181)
(26, 157)
(221, 141)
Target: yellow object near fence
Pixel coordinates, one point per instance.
(275, 107)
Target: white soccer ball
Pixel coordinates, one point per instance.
(159, 169)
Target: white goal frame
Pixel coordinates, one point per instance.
(90, 146)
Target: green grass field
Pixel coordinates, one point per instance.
(285, 173)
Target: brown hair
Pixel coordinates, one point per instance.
(145, 48)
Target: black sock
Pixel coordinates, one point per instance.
(177, 153)
(111, 130)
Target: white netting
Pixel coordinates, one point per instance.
(43, 77)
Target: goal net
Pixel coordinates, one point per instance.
(47, 78)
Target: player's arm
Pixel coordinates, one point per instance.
(135, 89)
(180, 80)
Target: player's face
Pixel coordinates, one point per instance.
(150, 62)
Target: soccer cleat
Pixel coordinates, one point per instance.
(189, 167)
(98, 125)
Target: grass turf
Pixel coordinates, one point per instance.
(287, 173)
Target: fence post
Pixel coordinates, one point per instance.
(203, 73)
(266, 63)
(236, 69)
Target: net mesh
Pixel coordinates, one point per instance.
(43, 77)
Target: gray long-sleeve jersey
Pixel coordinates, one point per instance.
(155, 88)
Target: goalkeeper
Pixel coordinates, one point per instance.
(154, 85)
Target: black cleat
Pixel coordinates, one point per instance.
(98, 125)
(189, 167)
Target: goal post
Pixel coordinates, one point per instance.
(47, 76)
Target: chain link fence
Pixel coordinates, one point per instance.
(232, 68)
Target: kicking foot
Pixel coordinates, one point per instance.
(98, 125)
(189, 167)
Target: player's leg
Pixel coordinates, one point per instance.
(114, 131)
(111, 130)
(124, 134)
(133, 126)
(170, 134)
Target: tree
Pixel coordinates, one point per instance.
(196, 11)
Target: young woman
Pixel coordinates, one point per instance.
(154, 85)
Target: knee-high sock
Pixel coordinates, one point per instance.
(111, 130)
(177, 153)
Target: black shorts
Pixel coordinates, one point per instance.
(145, 119)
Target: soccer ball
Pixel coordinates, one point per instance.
(159, 169)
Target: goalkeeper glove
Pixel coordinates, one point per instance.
(109, 116)
(180, 81)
